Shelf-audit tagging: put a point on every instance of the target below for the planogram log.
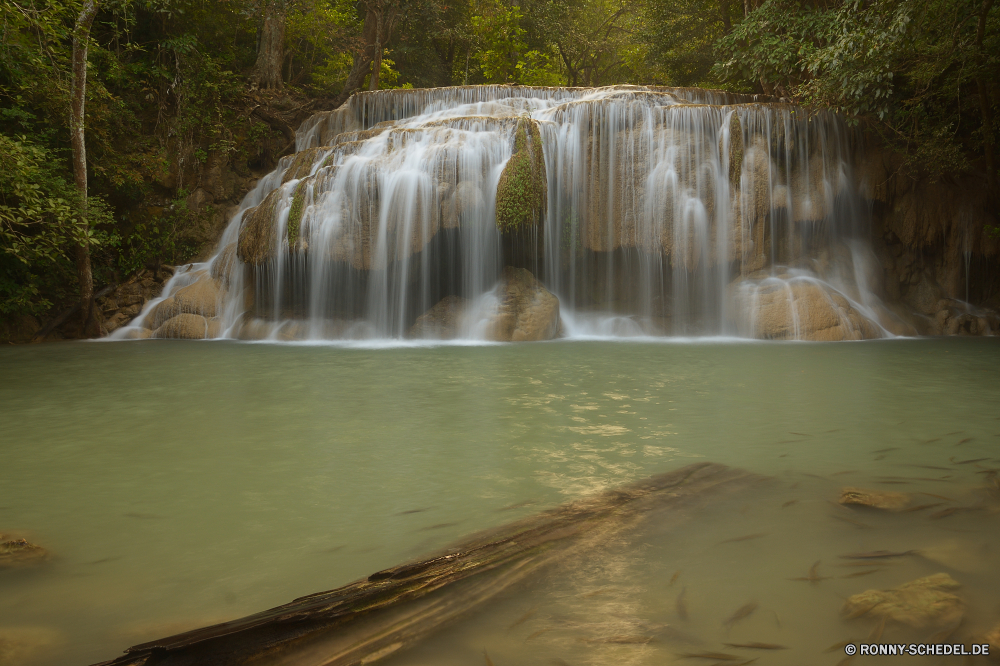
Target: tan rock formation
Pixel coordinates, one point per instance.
(926, 604)
(185, 326)
(202, 297)
(525, 311)
(223, 265)
(122, 305)
(875, 499)
(800, 308)
(257, 240)
(160, 312)
(443, 321)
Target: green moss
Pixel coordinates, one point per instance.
(295, 214)
(522, 190)
(735, 149)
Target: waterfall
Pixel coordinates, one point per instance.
(669, 211)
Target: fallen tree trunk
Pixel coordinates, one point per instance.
(392, 609)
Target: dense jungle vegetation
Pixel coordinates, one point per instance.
(177, 89)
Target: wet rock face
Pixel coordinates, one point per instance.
(926, 604)
(788, 309)
(526, 311)
(520, 309)
(874, 499)
(184, 326)
(191, 313)
(443, 321)
(122, 305)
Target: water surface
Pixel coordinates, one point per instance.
(178, 484)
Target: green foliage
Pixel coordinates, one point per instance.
(40, 221)
(922, 73)
(682, 34)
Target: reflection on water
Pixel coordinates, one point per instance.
(180, 484)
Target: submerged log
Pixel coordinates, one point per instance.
(393, 609)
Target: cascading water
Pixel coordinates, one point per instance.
(665, 212)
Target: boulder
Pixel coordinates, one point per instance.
(875, 499)
(257, 242)
(443, 321)
(201, 297)
(185, 326)
(525, 310)
(926, 604)
(159, 313)
(16, 552)
(116, 321)
(523, 188)
(799, 309)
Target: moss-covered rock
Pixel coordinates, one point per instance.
(295, 213)
(256, 242)
(302, 164)
(735, 150)
(522, 190)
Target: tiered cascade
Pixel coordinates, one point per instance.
(644, 210)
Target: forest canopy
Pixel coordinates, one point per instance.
(179, 84)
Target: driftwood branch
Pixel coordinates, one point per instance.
(392, 609)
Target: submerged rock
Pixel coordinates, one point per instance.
(875, 499)
(15, 552)
(20, 645)
(925, 604)
(961, 555)
(993, 638)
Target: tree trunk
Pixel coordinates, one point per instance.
(724, 13)
(270, 47)
(985, 107)
(377, 56)
(380, 19)
(78, 100)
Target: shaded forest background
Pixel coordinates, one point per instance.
(187, 101)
